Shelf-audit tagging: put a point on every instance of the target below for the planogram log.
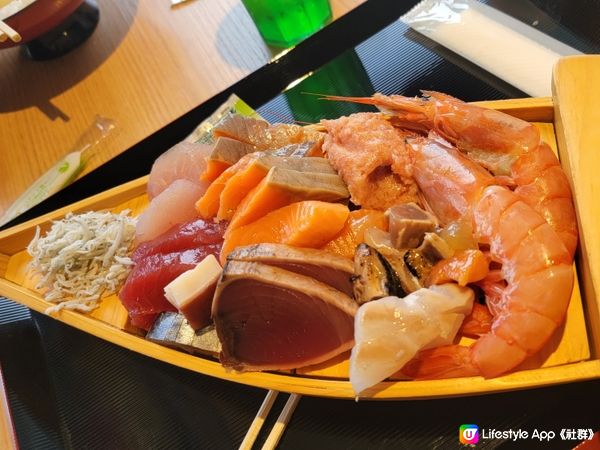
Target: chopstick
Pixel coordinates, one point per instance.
(282, 421)
(3, 36)
(259, 420)
(279, 427)
(10, 32)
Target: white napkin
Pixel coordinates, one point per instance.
(513, 51)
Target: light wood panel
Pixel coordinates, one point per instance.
(145, 65)
(577, 98)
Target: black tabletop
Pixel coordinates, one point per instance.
(68, 389)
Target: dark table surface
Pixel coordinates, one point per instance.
(68, 389)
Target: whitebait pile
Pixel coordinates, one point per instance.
(83, 257)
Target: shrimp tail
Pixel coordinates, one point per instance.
(449, 361)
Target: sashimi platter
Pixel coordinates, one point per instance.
(425, 249)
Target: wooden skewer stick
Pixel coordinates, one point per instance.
(12, 34)
(282, 421)
(258, 421)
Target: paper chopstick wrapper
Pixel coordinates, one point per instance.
(513, 51)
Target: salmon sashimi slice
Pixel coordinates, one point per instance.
(225, 153)
(282, 187)
(248, 177)
(353, 232)
(264, 135)
(143, 292)
(310, 223)
(208, 205)
(182, 237)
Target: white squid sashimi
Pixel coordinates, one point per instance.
(185, 160)
(172, 206)
(390, 331)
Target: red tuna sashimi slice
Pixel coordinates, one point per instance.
(143, 292)
(183, 161)
(172, 206)
(268, 318)
(181, 237)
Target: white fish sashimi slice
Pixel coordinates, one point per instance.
(183, 161)
(389, 332)
(172, 206)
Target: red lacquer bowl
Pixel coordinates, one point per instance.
(54, 23)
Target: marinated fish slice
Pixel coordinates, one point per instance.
(328, 268)
(310, 223)
(408, 224)
(173, 330)
(268, 318)
(241, 183)
(353, 233)
(281, 187)
(301, 150)
(263, 135)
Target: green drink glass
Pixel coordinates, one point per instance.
(283, 23)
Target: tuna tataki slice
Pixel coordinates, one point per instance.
(245, 179)
(326, 267)
(282, 187)
(268, 318)
(345, 242)
(310, 223)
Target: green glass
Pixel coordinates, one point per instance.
(283, 23)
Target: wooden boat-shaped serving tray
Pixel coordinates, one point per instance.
(572, 354)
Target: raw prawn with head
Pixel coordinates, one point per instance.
(463, 169)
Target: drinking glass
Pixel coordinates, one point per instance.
(283, 23)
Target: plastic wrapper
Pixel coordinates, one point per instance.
(64, 172)
(512, 50)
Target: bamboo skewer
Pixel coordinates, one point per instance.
(10, 32)
(282, 421)
(259, 420)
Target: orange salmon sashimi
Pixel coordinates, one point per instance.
(208, 205)
(282, 187)
(310, 223)
(345, 242)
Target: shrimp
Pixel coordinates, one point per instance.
(508, 147)
(535, 264)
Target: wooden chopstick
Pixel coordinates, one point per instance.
(259, 420)
(261, 416)
(12, 34)
(282, 421)
(8, 436)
